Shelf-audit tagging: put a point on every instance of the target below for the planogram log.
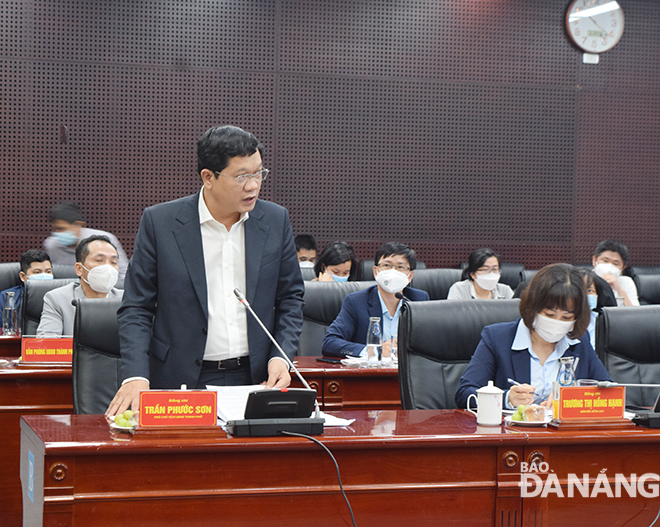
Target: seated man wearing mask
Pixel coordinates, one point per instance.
(35, 265)
(609, 260)
(97, 265)
(394, 267)
(307, 250)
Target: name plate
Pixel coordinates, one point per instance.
(589, 403)
(47, 350)
(178, 408)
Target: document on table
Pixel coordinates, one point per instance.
(233, 399)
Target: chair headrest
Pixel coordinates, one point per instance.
(632, 333)
(436, 282)
(323, 299)
(96, 325)
(449, 330)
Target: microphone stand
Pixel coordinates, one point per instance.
(241, 298)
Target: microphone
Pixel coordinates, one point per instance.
(610, 384)
(241, 298)
(401, 296)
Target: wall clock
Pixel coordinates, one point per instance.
(595, 26)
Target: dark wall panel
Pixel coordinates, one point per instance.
(450, 125)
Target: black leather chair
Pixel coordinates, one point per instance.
(436, 282)
(9, 275)
(510, 273)
(64, 271)
(33, 302)
(648, 288)
(366, 273)
(322, 305)
(527, 274)
(436, 341)
(628, 344)
(307, 273)
(96, 359)
(644, 269)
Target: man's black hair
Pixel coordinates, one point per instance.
(305, 241)
(615, 247)
(397, 249)
(82, 250)
(69, 212)
(31, 256)
(219, 144)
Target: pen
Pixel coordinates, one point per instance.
(537, 397)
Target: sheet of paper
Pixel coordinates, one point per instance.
(333, 420)
(232, 400)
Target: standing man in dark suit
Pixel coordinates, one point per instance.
(394, 267)
(180, 322)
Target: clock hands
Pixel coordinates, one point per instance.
(599, 26)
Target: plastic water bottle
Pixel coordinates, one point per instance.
(10, 316)
(565, 377)
(374, 343)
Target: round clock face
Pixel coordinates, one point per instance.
(595, 25)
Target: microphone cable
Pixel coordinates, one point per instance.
(341, 487)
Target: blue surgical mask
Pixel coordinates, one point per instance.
(339, 278)
(65, 238)
(40, 276)
(593, 301)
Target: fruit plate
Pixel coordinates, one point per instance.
(115, 426)
(508, 421)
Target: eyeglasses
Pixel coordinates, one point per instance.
(488, 270)
(260, 176)
(387, 266)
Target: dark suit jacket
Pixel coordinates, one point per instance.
(347, 335)
(163, 318)
(494, 360)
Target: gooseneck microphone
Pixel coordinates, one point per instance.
(241, 298)
(610, 384)
(401, 296)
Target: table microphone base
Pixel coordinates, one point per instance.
(273, 427)
(648, 420)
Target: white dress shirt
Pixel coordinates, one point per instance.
(224, 264)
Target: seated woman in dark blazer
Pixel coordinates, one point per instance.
(555, 315)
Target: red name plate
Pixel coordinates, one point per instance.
(47, 350)
(581, 402)
(178, 408)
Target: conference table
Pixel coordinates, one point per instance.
(420, 467)
(29, 390)
(10, 346)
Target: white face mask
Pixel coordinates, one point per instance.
(607, 268)
(306, 264)
(41, 276)
(102, 278)
(392, 281)
(552, 330)
(487, 281)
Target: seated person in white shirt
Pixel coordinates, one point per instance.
(97, 265)
(480, 279)
(307, 249)
(609, 260)
(394, 268)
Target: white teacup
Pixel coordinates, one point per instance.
(489, 405)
